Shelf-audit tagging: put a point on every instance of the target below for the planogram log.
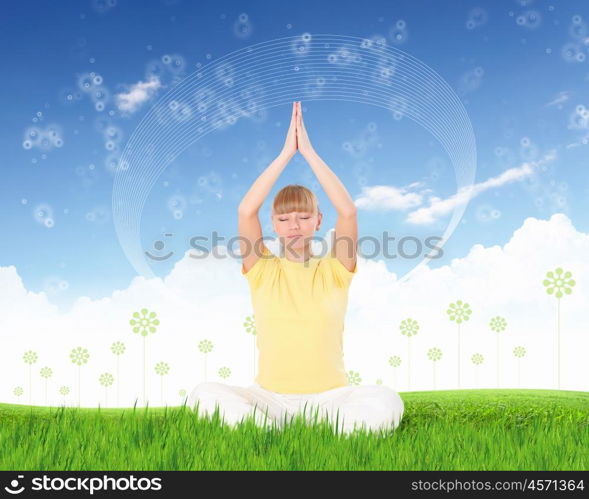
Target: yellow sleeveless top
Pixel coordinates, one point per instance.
(299, 311)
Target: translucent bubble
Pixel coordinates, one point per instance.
(569, 51)
(97, 80)
(533, 19)
(398, 36)
(166, 59)
(63, 285)
(242, 30)
(23, 201)
(332, 58)
(524, 141)
(577, 19)
(177, 203)
(27, 144)
(243, 17)
(495, 214)
(483, 213)
(400, 24)
(178, 214)
(470, 24)
(478, 16)
(49, 222)
(99, 106)
(306, 37)
(90, 216)
(521, 20)
(58, 142)
(109, 145)
(578, 30)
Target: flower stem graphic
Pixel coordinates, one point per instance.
(30, 358)
(250, 327)
(205, 346)
(498, 324)
(519, 352)
(459, 312)
(409, 327)
(118, 348)
(558, 283)
(434, 354)
(162, 369)
(395, 361)
(79, 356)
(144, 322)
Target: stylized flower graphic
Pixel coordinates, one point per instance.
(162, 368)
(250, 328)
(477, 359)
(144, 322)
(250, 325)
(354, 378)
(498, 324)
(205, 346)
(46, 373)
(118, 348)
(559, 282)
(106, 379)
(459, 311)
(409, 327)
(395, 361)
(30, 358)
(79, 356)
(64, 390)
(434, 354)
(18, 391)
(519, 352)
(224, 372)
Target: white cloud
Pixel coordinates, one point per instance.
(209, 299)
(386, 197)
(138, 93)
(562, 97)
(439, 207)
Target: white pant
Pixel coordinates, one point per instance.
(370, 406)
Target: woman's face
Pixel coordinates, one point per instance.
(296, 223)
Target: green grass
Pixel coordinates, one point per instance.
(440, 430)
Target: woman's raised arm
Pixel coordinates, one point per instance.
(254, 198)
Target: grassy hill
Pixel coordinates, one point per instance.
(441, 430)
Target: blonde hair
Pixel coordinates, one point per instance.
(295, 197)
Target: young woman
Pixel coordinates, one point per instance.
(299, 301)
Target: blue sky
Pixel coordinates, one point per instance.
(515, 65)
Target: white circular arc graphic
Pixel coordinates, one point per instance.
(274, 73)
